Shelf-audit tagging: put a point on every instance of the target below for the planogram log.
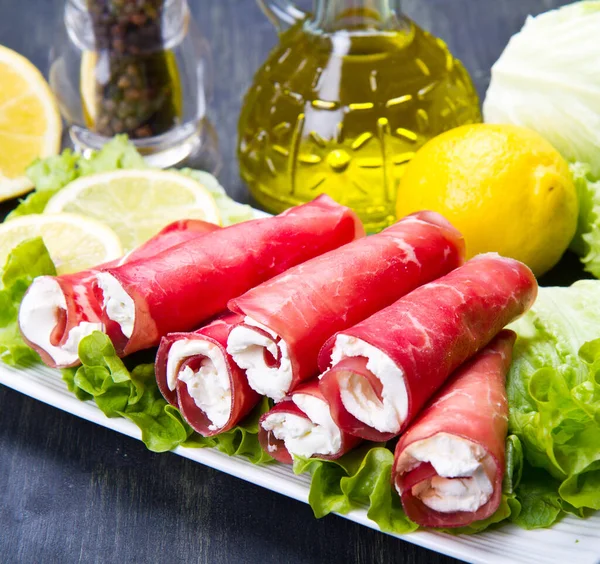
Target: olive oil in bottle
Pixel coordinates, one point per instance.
(342, 104)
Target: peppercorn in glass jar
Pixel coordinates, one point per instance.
(138, 67)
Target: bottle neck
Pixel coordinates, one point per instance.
(357, 15)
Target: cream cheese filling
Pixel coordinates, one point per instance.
(386, 414)
(247, 347)
(38, 316)
(304, 437)
(209, 385)
(118, 304)
(461, 484)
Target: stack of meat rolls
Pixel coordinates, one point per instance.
(378, 375)
(179, 286)
(282, 324)
(58, 311)
(353, 338)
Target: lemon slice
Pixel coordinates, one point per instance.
(88, 86)
(30, 124)
(74, 242)
(136, 204)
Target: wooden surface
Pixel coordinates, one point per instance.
(74, 492)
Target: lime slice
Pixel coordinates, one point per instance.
(74, 242)
(136, 204)
(30, 124)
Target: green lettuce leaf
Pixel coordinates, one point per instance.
(121, 393)
(116, 154)
(361, 478)
(514, 465)
(51, 174)
(586, 242)
(26, 261)
(540, 503)
(241, 440)
(554, 396)
(134, 395)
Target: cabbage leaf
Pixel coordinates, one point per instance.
(548, 79)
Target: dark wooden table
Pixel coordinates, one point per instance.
(74, 492)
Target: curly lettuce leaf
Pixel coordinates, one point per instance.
(362, 478)
(358, 479)
(118, 153)
(513, 465)
(586, 242)
(540, 503)
(121, 393)
(134, 395)
(554, 391)
(26, 261)
(51, 174)
(241, 440)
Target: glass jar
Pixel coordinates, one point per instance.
(138, 67)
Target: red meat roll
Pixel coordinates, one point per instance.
(195, 373)
(181, 288)
(449, 465)
(407, 350)
(58, 311)
(302, 425)
(289, 318)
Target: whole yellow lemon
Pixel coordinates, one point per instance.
(504, 187)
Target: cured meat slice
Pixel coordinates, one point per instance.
(289, 318)
(180, 289)
(449, 465)
(301, 425)
(170, 236)
(412, 346)
(58, 311)
(195, 373)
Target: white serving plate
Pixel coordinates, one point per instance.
(571, 540)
